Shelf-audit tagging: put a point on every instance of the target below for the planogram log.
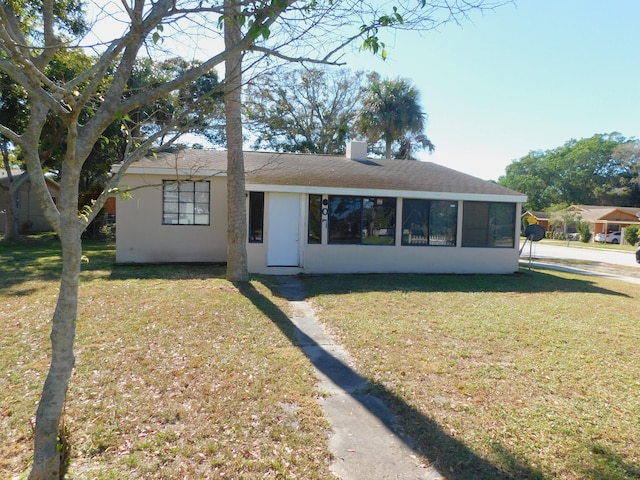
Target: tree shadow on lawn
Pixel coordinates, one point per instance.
(520, 282)
(450, 457)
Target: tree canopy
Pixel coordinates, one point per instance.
(308, 111)
(601, 170)
(391, 113)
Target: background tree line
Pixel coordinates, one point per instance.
(601, 170)
(314, 110)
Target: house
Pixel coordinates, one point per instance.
(604, 219)
(30, 217)
(537, 218)
(320, 214)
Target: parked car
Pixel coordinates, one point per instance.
(638, 255)
(599, 237)
(613, 237)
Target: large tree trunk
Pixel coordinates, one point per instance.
(46, 460)
(236, 195)
(47, 456)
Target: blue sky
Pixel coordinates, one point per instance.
(524, 77)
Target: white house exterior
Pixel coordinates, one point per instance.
(320, 214)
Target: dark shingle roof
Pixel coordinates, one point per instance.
(304, 170)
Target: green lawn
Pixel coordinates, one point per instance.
(181, 374)
(533, 375)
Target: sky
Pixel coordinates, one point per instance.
(522, 78)
(529, 75)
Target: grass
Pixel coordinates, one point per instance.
(534, 375)
(181, 374)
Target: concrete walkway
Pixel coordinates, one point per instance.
(364, 441)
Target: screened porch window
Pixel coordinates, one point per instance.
(429, 222)
(489, 224)
(362, 220)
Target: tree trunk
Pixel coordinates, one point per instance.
(11, 231)
(11, 221)
(47, 457)
(387, 146)
(236, 195)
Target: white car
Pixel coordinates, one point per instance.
(613, 237)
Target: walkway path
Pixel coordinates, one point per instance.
(364, 441)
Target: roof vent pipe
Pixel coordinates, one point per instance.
(357, 150)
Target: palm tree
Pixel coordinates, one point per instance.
(390, 111)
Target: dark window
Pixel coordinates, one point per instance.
(185, 203)
(429, 222)
(314, 234)
(488, 224)
(365, 220)
(256, 217)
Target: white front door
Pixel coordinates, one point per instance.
(283, 232)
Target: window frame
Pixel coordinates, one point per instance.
(314, 219)
(184, 197)
(427, 217)
(357, 226)
(256, 217)
(481, 225)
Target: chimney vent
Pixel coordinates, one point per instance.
(357, 150)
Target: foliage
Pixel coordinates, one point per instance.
(561, 220)
(632, 234)
(202, 99)
(601, 170)
(391, 113)
(584, 231)
(69, 15)
(305, 111)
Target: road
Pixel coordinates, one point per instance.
(542, 251)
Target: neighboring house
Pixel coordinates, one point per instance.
(320, 214)
(30, 217)
(605, 219)
(539, 218)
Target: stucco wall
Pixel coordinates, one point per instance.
(142, 238)
(397, 258)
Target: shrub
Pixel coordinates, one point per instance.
(583, 229)
(631, 234)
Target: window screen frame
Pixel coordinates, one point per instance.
(359, 220)
(484, 225)
(420, 227)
